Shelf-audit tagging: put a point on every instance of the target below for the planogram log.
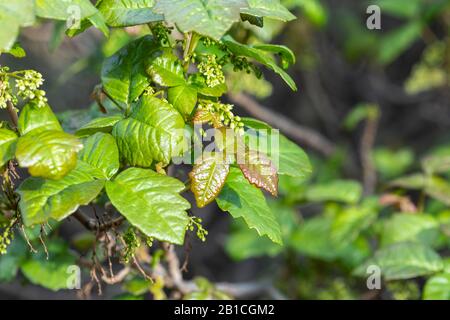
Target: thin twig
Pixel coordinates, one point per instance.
(301, 134)
(94, 225)
(366, 147)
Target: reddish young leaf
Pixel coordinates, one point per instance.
(260, 171)
(208, 178)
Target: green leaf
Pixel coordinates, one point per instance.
(257, 21)
(10, 262)
(348, 224)
(286, 54)
(49, 154)
(8, 140)
(259, 55)
(244, 243)
(289, 158)
(151, 202)
(123, 74)
(208, 178)
(241, 199)
(17, 51)
(397, 41)
(437, 287)
(151, 133)
(199, 82)
(210, 18)
(33, 117)
(347, 191)
(268, 8)
(390, 163)
(13, 15)
(260, 171)
(183, 98)
(409, 227)
(42, 199)
(123, 13)
(52, 273)
(101, 153)
(166, 69)
(438, 188)
(64, 10)
(436, 164)
(412, 181)
(103, 124)
(313, 238)
(400, 8)
(404, 260)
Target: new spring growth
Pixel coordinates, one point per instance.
(195, 222)
(212, 71)
(27, 84)
(224, 114)
(6, 236)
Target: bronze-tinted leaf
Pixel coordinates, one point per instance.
(260, 171)
(208, 177)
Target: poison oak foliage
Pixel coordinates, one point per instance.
(161, 86)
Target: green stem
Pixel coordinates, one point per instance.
(191, 43)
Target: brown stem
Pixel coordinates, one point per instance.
(301, 134)
(12, 113)
(94, 225)
(367, 143)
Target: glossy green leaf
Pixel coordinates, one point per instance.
(13, 15)
(268, 8)
(123, 74)
(8, 140)
(183, 98)
(101, 153)
(243, 200)
(211, 18)
(199, 82)
(259, 55)
(347, 191)
(151, 202)
(42, 199)
(17, 51)
(286, 54)
(49, 154)
(404, 260)
(208, 178)
(166, 69)
(259, 170)
(122, 13)
(33, 117)
(288, 157)
(53, 273)
(64, 10)
(103, 124)
(151, 133)
(409, 227)
(437, 287)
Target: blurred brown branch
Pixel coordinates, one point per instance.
(299, 133)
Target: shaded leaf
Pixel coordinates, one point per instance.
(259, 55)
(123, 74)
(104, 124)
(404, 260)
(348, 191)
(151, 202)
